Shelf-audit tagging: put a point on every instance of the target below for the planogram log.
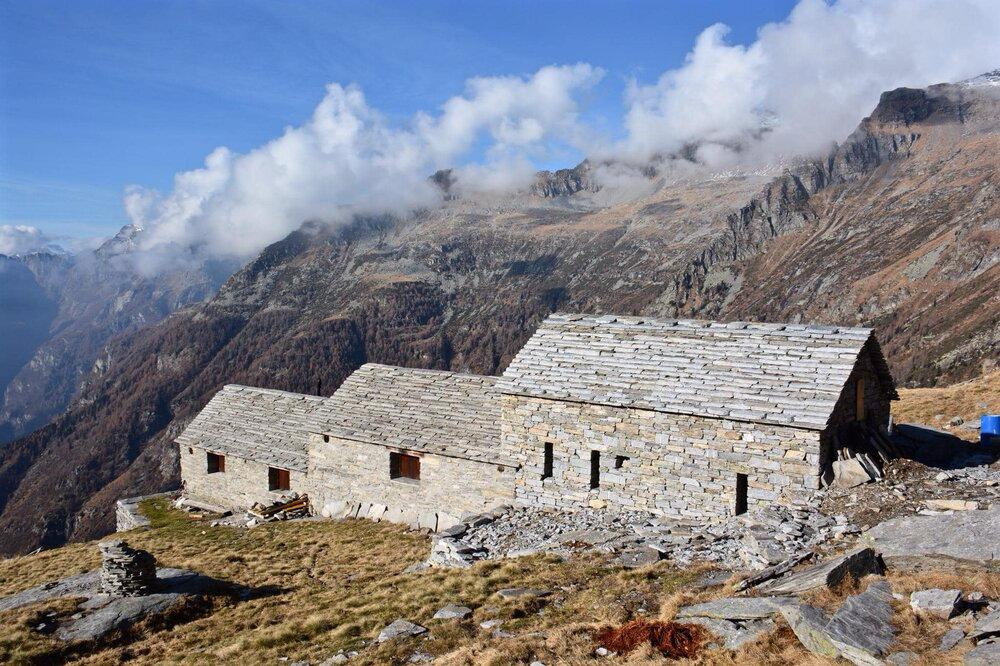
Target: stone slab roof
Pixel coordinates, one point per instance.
(444, 413)
(784, 374)
(262, 425)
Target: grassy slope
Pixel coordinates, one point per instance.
(965, 400)
(333, 585)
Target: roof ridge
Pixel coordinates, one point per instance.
(270, 391)
(640, 320)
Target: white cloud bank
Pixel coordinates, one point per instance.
(21, 239)
(348, 160)
(809, 79)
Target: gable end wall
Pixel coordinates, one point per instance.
(681, 466)
(242, 484)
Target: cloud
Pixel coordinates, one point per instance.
(20, 239)
(805, 81)
(349, 160)
(802, 84)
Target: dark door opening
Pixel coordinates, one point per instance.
(547, 463)
(741, 494)
(215, 463)
(595, 469)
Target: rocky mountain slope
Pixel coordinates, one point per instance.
(896, 228)
(76, 304)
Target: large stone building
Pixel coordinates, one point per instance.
(685, 418)
(678, 417)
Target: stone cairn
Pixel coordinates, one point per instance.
(126, 571)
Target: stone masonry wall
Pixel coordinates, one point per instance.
(243, 483)
(342, 469)
(682, 466)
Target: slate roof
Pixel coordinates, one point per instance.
(257, 424)
(785, 374)
(444, 413)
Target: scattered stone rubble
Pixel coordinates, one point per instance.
(126, 571)
(758, 539)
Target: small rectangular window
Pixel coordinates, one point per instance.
(215, 463)
(404, 466)
(620, 461)
(741, 494)
(595, 469)
(278, 479)
(547, 464)
(859, 400)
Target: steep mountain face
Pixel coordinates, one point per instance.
(28, 313)
(462, 287)
(90, 298)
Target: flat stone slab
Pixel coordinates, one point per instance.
(967, 535)
(400, 629)
(101, 613)
(829, 573)
(734, 608)
(951, 638)
(984, 654)
(861, 630)
(986, 626)
(520, 592)
(453, 612)
(939, 603)
(734, 634)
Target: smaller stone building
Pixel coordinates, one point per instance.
(247, 445)
(412, 441)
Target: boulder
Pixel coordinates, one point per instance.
(984, 654)
(849, 473)
(861, 630)
(902, 658)
(951, 638)
(400, 629)
(831, 572)
(913, 540)
(939, 603)
(453, 612)
(376, 512)
(986, 627)
(446, 520)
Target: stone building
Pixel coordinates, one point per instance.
(678, 417)
(247, 445)
(411, 443)
(685, 418)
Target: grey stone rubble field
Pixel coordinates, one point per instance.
(752, 541)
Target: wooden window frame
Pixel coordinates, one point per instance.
(278, 479)
(404, 467)
(215, 463)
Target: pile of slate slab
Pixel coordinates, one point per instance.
(126, 571)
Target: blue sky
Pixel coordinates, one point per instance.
(95, 96)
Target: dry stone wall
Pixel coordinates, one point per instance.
(242, 484)
(345, 470)
(673, 465)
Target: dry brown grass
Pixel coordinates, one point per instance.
(324, 586)
(922, 405)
